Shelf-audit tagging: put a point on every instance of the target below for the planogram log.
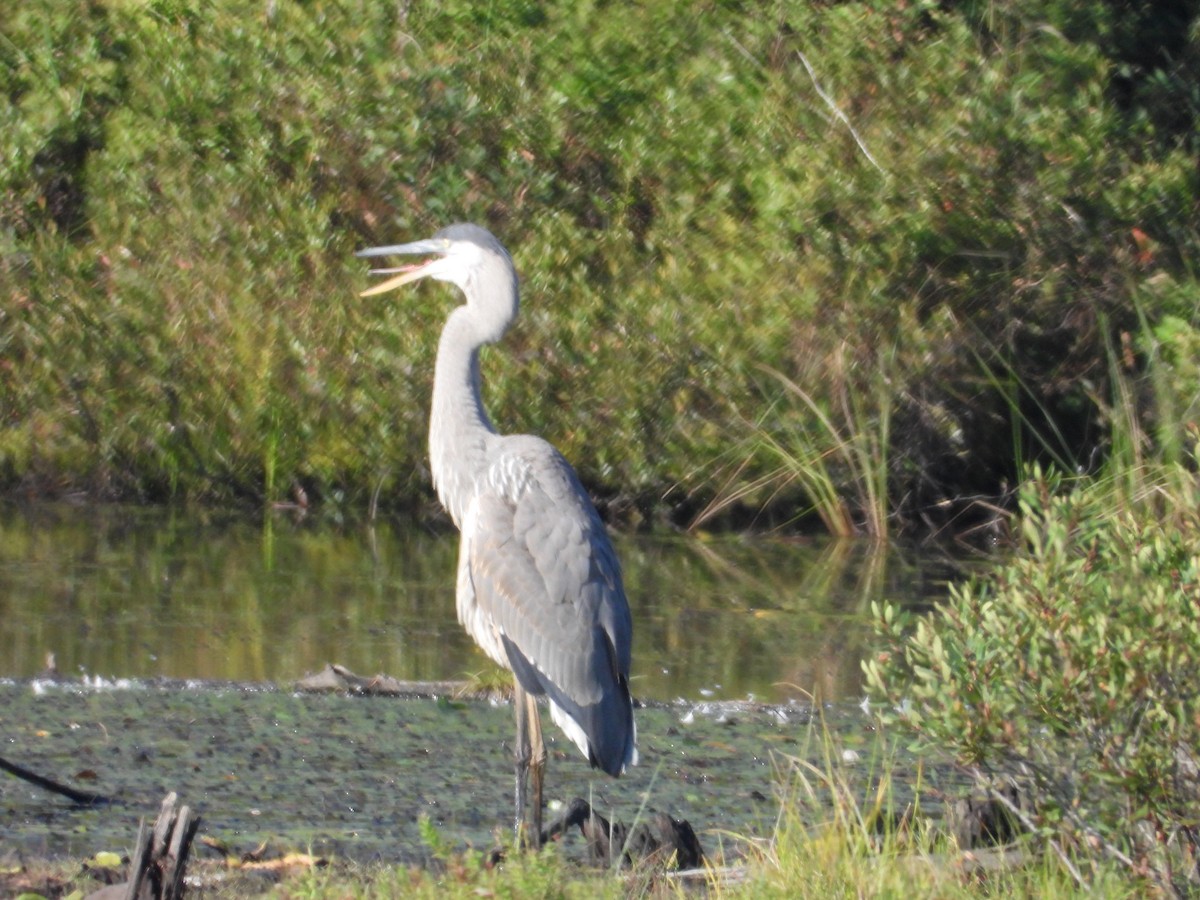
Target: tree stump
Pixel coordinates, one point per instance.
(158, 864)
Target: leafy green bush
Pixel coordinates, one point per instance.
(1072, 669)
(698, 195)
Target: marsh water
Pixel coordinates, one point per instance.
(180, 634)
(132, 592)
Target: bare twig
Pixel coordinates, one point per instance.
(837, 112)
(820, 91)
(1024, 818)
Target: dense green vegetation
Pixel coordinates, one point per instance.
(1070, 672)
(857, 262)
(865, 257)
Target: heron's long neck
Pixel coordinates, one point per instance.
(459, 428)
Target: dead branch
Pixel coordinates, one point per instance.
(84, 798)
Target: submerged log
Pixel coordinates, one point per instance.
(663, 841)
(338, 679)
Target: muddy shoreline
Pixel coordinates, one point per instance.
(349, 777)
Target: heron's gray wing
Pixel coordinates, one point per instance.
(543, 571)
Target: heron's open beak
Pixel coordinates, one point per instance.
(406, 273)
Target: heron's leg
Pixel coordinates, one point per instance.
(537, 765)
(523, 753)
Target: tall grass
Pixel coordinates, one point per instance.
(1146, 400)
(868, 825)
(836, 454)
(847, 827)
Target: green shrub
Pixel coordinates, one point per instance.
(1072, 669)
(909, 198)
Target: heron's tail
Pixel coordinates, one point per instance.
(603, 731)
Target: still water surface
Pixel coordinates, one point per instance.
(137, 592)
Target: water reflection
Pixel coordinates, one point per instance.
(196, 594)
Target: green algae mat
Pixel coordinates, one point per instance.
(351, 776)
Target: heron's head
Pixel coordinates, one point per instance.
(466, 255)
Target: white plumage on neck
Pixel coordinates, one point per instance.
(460, 431)
(459, 427)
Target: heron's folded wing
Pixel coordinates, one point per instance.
(544, 571)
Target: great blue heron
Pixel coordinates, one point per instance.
(539, 586)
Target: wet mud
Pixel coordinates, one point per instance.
(350, 776)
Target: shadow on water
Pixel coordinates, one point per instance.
(139, 594)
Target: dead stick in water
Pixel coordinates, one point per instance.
(86, 798)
